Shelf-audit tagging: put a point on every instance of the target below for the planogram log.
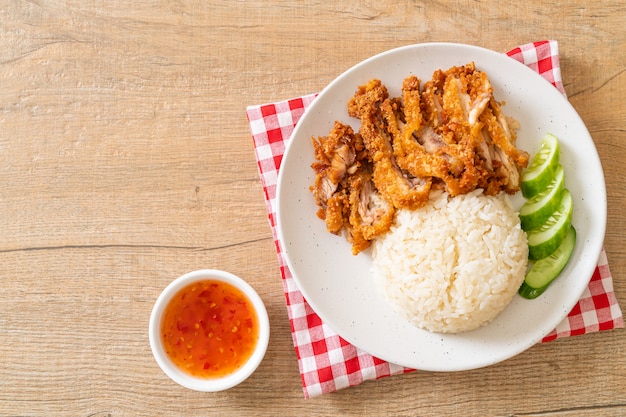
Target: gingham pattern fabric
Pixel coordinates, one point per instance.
(326, 361)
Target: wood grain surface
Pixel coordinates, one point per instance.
(126, 160)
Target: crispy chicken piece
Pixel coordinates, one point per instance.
(512, 160)
(343, 190)
(473, 113)
(487, 144)
(420, 150)
(460, 112)
(432, 102)
(370, 214)
(371, 104)
(415, 146)
(335, 156)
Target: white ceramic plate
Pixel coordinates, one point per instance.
(339, 286)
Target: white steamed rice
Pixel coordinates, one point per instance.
(453, 265)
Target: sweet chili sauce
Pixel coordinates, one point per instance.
(209, 329)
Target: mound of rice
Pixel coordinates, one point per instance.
(453, 265)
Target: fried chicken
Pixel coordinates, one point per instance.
(509, 161)
(451, 134)
(371, 104)
(425, 153)
(347, 199)
(370, 214)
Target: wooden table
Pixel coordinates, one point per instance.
(126, 160)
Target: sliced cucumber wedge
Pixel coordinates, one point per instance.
(538, 209)
(543, 272)
(545, 239)
(542, 167)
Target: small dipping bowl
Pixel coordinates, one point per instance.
(208, 384)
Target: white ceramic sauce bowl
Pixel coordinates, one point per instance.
(208, 384)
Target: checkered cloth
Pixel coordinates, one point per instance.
(327, 362)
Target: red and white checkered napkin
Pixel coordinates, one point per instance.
(326, 361)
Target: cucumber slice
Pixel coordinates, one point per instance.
(541, 170)
(545, 239)
(539, 208)
(543, 272)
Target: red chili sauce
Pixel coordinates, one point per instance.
(209, 329)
